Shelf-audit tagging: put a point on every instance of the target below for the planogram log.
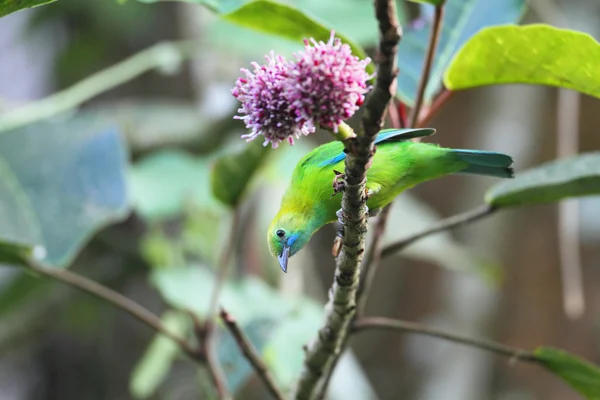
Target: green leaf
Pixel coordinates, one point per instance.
(583, 376)
(10, 6)
(60, 181)
(284, 352)
(153, 367)
(533, 54)
(149, 124)
(462, 19)
(287, 22)
(553, 181)
(164, 182)
(231, 174)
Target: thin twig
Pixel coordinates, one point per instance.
(436, 28)
(163, 55)
(124, 303)
(326, 348)
(437, 105)
(394, 115)
(251, 355)
(205, 331)
(224, 261)
(367, 323)
(444, 225)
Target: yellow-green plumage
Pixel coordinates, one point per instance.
(398, 164)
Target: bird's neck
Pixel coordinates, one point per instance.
(313, 212)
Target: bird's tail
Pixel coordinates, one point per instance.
(485, 163)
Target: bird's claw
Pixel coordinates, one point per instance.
(339, 235)
(339, 182)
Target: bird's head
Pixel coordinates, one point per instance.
(287, 234)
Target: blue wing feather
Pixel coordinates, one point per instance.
(388, 135)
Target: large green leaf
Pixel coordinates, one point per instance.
(288, 22)
(164, 182)
(232, 173)
(152, 369)
(580, 374)
(60, 181)
(533, 54)
(10, 6)
(462, 19)
(553, 181)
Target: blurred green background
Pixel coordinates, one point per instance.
(498, 278)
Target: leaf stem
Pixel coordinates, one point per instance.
(444, 225)
(437, 105)
(367, 323)
(251, 355)
(345, 132)
(167, 56)
(436, 28)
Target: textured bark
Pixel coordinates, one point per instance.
(322, 352)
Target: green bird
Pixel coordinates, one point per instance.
(398, 164)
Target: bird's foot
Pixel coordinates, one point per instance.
(337, 242)
(339, 182)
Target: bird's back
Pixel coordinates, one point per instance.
(397, 166)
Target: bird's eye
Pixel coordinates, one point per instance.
(280, 233)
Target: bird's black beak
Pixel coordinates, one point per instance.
(283, 257)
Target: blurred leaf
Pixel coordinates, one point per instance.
(18, 287)
(288, 22)
(191, 288)
(201, 234)
(410, 215)
(434, 2)
(236, 367)
(533, 54)
(462, 19)
(284, 352)
(164, 182)
(10, 6)
(60, 181)
(156, 362)
(232, 173)
(580, 374)
(254, 304)
(158, 249)
(553, 181)
(152, 123)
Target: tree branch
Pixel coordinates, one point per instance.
(432, 111)
(444, 225)
(124, 303)
(205, 331)
(363, 324)
(167, 56)
(436, 28)
(251, 355)
(326, 348)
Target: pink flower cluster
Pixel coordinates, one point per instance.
(283, 100)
